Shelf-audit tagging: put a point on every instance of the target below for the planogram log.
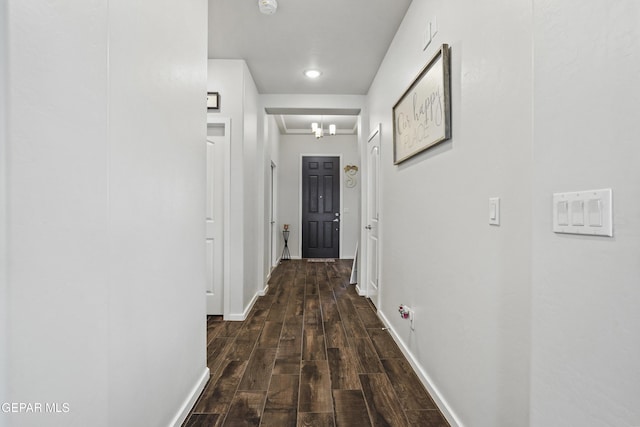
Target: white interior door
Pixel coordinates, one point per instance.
(214, 218)
(273, 258)
(373, 215)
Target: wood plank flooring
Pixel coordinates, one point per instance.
(311, 353)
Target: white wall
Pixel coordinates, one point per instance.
(4, 308)
(586, 323)
(226, 77)
(468, 282)
(157, 74)
(239, 100)
(271, 154)
(106, 194)
(58, 207)
(253, 195)
(292, 148)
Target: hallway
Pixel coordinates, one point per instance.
(311, 353)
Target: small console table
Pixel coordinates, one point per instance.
(286, 255)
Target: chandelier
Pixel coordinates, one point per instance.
(318, 130)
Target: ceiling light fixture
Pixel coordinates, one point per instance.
(312, 74)
(318, 129)
(268, 7)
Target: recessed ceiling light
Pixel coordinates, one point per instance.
(312, 74)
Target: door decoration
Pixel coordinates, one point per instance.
(351, 171)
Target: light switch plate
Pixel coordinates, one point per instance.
(584, 212)
(494, 211)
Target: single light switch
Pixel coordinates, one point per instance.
(577, 212)
(563, 213)
(594, 209)
(494, 211)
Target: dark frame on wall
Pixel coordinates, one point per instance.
(422, 115)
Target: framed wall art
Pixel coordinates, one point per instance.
(422, 115)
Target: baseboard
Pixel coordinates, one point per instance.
(191, 399)
(264, 291)
(422, 375)
(360, 291)
(237, 317)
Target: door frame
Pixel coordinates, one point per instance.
(273, 221)
(364, 290)
(226, 244)
(302, 155)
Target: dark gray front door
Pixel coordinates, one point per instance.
(320, 207)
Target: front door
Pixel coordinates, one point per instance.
(320, 207)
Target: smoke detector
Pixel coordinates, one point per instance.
(268, 7)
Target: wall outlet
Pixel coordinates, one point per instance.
(407, 313)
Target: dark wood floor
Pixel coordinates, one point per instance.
(311, 353)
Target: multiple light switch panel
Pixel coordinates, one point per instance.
(583, 212)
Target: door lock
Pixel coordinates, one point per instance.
(368, 227)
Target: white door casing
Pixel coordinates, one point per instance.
(373, 215)
(273, 259)
(217, 203)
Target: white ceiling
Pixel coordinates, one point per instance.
(345, 39)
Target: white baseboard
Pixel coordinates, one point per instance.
(240, 317)
(422, 375)
(235, 317)
(191, 399)
(360, 291)
(264, 291)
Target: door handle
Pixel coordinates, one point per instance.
(368, 227)
(336, 220)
